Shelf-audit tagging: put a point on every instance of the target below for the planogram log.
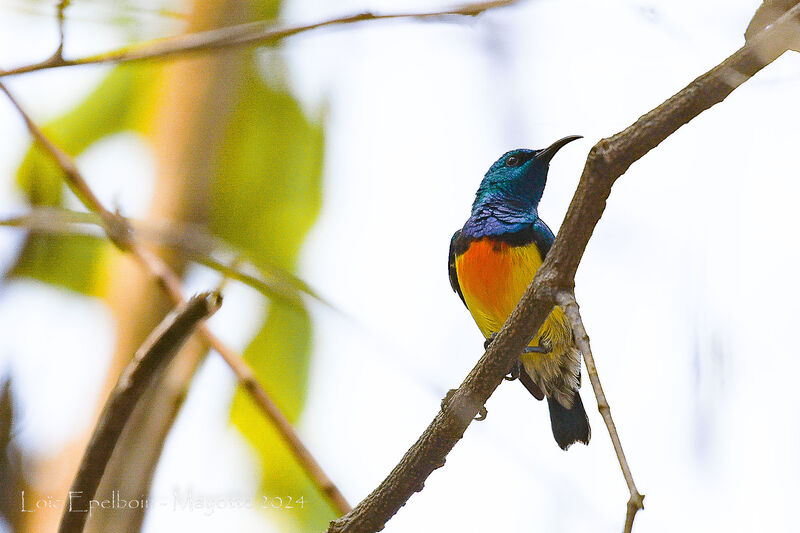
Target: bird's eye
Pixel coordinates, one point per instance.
(512, 161)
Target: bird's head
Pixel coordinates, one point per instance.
(516, 181)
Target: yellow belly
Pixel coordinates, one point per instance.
(493, 276)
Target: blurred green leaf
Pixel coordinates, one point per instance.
(265, 205)
(265, 197)
(119, 103)
(279, 354)
(69, 261)
(271, 162)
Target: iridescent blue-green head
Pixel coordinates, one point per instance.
(518, 178)
(509, 194)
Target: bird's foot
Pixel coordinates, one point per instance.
(537, 349)
(481, 413)
(514, 373)
(488, 341)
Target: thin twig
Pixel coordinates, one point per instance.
(253, 33)
(566, 300)
(191, 240)
(61, 8)
(225, 279)
(606, 162)
(120, 234)
(148, 362)
(112, 224)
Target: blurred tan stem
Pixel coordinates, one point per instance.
(188, 124)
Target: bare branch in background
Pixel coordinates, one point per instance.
(250, 34)
(194, 241)
(606, 162)
(147, 363)
(119, 233)
(111, 222)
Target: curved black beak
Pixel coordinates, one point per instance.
(547, 154)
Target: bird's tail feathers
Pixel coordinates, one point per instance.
(569, 425)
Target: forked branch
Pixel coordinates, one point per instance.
(147, 363)
(120, 234)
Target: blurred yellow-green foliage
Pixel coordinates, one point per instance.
(265, 196)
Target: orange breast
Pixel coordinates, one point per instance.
(493, 276)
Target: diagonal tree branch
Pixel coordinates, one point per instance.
(250, 34)
(147, 363)
(121, 235)
(767, 13)
(606, 162)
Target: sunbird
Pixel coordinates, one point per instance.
(493, 259)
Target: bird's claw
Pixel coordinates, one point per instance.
(514, 373)
(528, 349)
(537, 349)
(488, 341)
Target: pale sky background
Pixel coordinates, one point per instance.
(688, 287)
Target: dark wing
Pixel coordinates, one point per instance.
(534, 389)
(542, 236)
(455, 244)
(536, 232)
